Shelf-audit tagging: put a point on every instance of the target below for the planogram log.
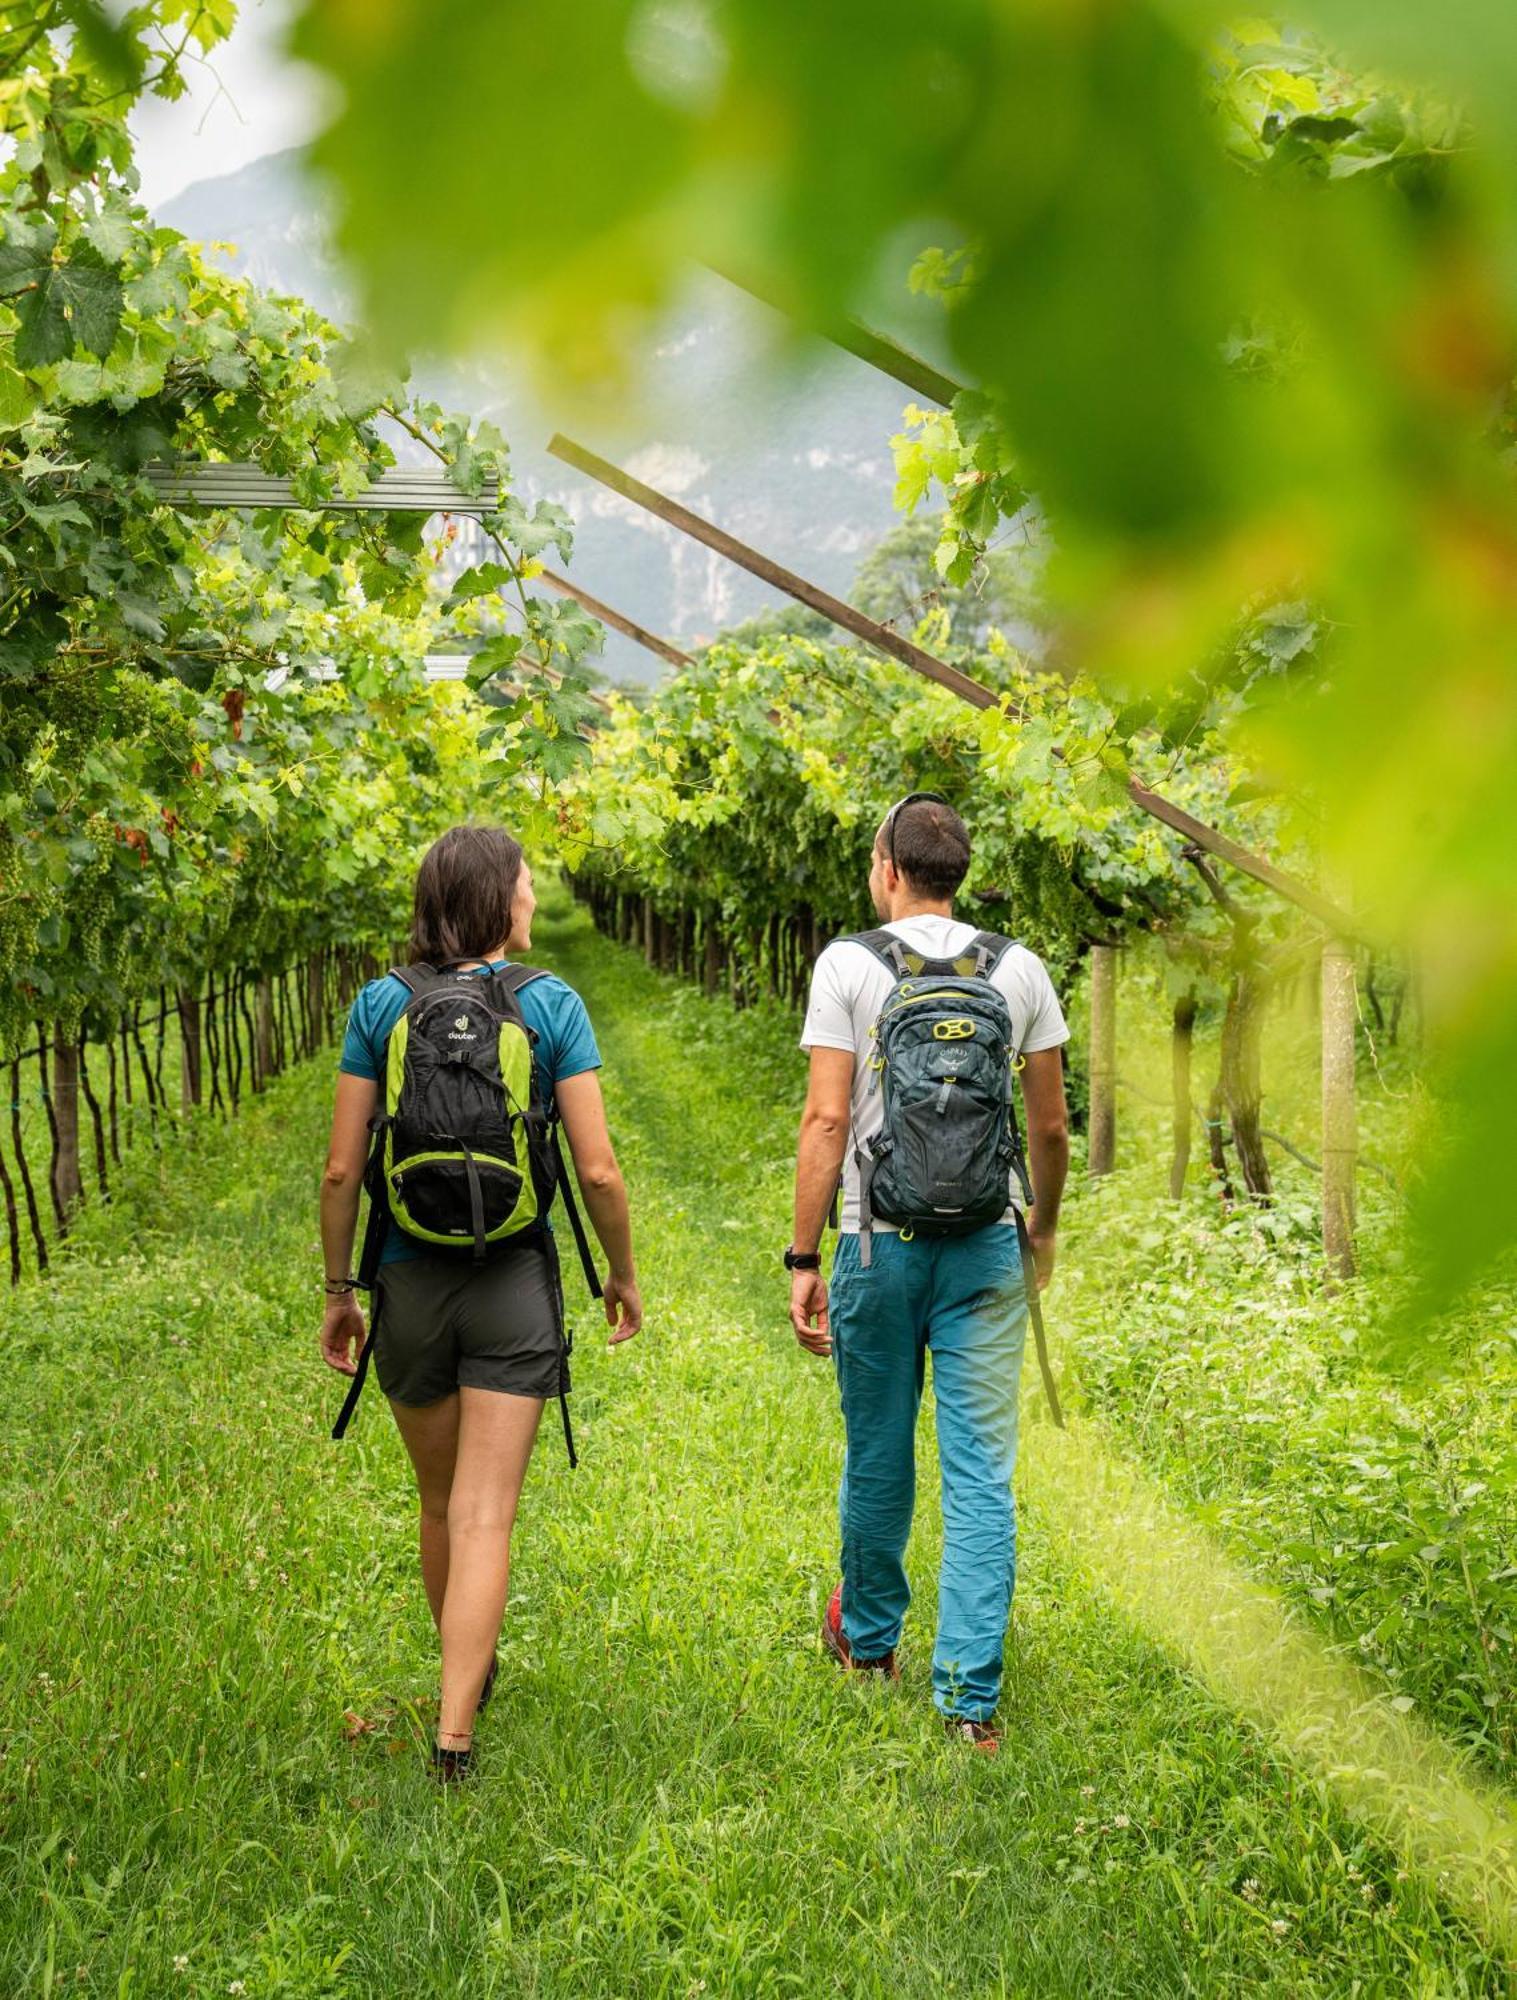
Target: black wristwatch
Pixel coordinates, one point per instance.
(802, 1260)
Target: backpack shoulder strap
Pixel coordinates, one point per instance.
(510, 981)
(512, 978)
(984, 953)
(415, 978)
(898, 958)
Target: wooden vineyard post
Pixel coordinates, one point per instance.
(189, 1047)
(112, 1101)
(286, 1048)
(1242, 1088)
(163, 1022)
(1340, 1135)
(12, 1220)
(1181, 1041)
(263, 1038)
(18, 1146)
(213, 1044)
(316, 1000)
(102, 1172)
(68, 1180)
(256, 1077)
(50, 1111)
(230, 1038)
(150, 1091)
(1102, 1156)
(1216, 1141)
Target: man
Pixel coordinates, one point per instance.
(897, 1292)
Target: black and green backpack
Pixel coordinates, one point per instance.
(465, 1156)
(943, 1055)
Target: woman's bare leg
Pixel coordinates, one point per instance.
(495, 1438)
(430, 1432)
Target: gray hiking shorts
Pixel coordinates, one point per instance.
(446, 1323)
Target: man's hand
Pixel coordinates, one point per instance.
(808, 1311)
(1043, 1251)
(342, 1334)
(622, 1293)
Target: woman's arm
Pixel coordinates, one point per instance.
(342, 1329)
(583, 1111)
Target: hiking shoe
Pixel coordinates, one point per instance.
(836, 1642)
(981, 1736)
(451, 1767)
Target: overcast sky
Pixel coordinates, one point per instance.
(247, 100)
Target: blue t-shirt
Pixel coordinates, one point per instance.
(554, 1011)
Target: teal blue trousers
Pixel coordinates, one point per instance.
(962, 1298)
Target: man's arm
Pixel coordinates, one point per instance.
(819, 1157)
(1047, 1151)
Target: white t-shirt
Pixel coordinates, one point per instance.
(851, 984)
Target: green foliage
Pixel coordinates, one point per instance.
(901, 584)
(1382, 1499)
(216, 745)
(747, 789)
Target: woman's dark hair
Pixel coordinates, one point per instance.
(931, 846)
(464, 891)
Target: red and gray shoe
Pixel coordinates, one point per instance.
(835, 1640)
(981, 1736)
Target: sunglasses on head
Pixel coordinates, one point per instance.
(911, 799)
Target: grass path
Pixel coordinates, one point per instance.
(215, 1661)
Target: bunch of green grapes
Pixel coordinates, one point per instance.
(24, 903)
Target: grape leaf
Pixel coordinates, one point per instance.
(481, 581)
(79, 302)
(494, 658)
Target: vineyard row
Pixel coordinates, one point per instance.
(773, 960)
(205, 1048)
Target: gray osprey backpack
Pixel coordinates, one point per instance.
(943, 1058)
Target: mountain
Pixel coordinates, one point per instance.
(791, 455)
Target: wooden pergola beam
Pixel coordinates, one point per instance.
(615, 619)
(913, 371)
(931, 668)
(868, 629)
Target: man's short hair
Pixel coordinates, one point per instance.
(929, 844)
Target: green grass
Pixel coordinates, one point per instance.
(677, 1795)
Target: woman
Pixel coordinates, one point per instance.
(467, 1353)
